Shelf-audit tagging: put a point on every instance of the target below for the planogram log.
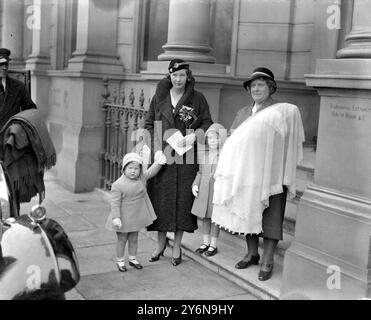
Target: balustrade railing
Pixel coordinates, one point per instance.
(120, 122)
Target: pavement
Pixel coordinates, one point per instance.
(83, 215)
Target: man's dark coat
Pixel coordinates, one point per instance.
(15, 99)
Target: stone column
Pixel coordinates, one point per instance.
(359, 38)
(12, 31)
(96, 44)
(329, 257)
(39, 22)
(188, 32)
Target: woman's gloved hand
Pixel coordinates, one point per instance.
(188, 140)
(160, 157)
(117, 222)
(195, 190)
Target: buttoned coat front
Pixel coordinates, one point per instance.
(171, 189)
(203, 203)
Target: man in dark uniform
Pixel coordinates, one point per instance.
(14, 96)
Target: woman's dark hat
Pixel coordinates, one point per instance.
(260, 72)
(4, 55)
(177, 64)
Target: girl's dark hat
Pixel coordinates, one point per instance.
(260, 72)
(177, 64)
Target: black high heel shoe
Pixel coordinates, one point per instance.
(176, 261)
(157, 257)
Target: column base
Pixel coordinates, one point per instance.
(95, 62)
(355, 52)
(17, 64)
(359, 46)
(38, 62)
(201, 55)
(329, 258)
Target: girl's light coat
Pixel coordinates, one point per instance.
(202, 205)
(130, 202)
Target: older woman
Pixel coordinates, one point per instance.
(176, 107)
(256, 168)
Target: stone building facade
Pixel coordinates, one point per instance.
(70, 45)
(319, 51)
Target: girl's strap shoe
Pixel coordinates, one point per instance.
(121, 266)
(134, 263)
(202, 248)
(211, 251)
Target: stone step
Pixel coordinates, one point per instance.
(304, 176)
(231, 248)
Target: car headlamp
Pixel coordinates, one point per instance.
(38, 213)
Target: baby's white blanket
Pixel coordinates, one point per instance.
(258, 158)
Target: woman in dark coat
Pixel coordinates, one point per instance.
(176, 106)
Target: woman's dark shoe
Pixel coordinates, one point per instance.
(211, 251)
(265, 271)
(202, 248)
(243, 264)
(154, 258)
(135, 264)
(176, 261)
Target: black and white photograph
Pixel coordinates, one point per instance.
(185, 155)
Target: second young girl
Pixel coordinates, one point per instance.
(131, 208)
(203, 188)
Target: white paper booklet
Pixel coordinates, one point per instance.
(173, 141)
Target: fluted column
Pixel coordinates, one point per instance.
(188, 31)
(359, 38)
(96, 44)
(40, 26)
(12, 30)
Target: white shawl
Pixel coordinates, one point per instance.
(258, 158)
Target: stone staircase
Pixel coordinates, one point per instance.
(231, 248)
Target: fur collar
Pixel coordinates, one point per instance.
(164, 86)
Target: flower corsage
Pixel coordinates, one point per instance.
(187, 115)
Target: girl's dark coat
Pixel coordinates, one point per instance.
(171, 189)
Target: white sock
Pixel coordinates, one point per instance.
(206, 238)
(213, 242)
(132, 258)
(120, 261)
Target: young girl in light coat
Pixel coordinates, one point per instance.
(131, 208)
(203, 188)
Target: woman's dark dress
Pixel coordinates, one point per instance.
(171, 189)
